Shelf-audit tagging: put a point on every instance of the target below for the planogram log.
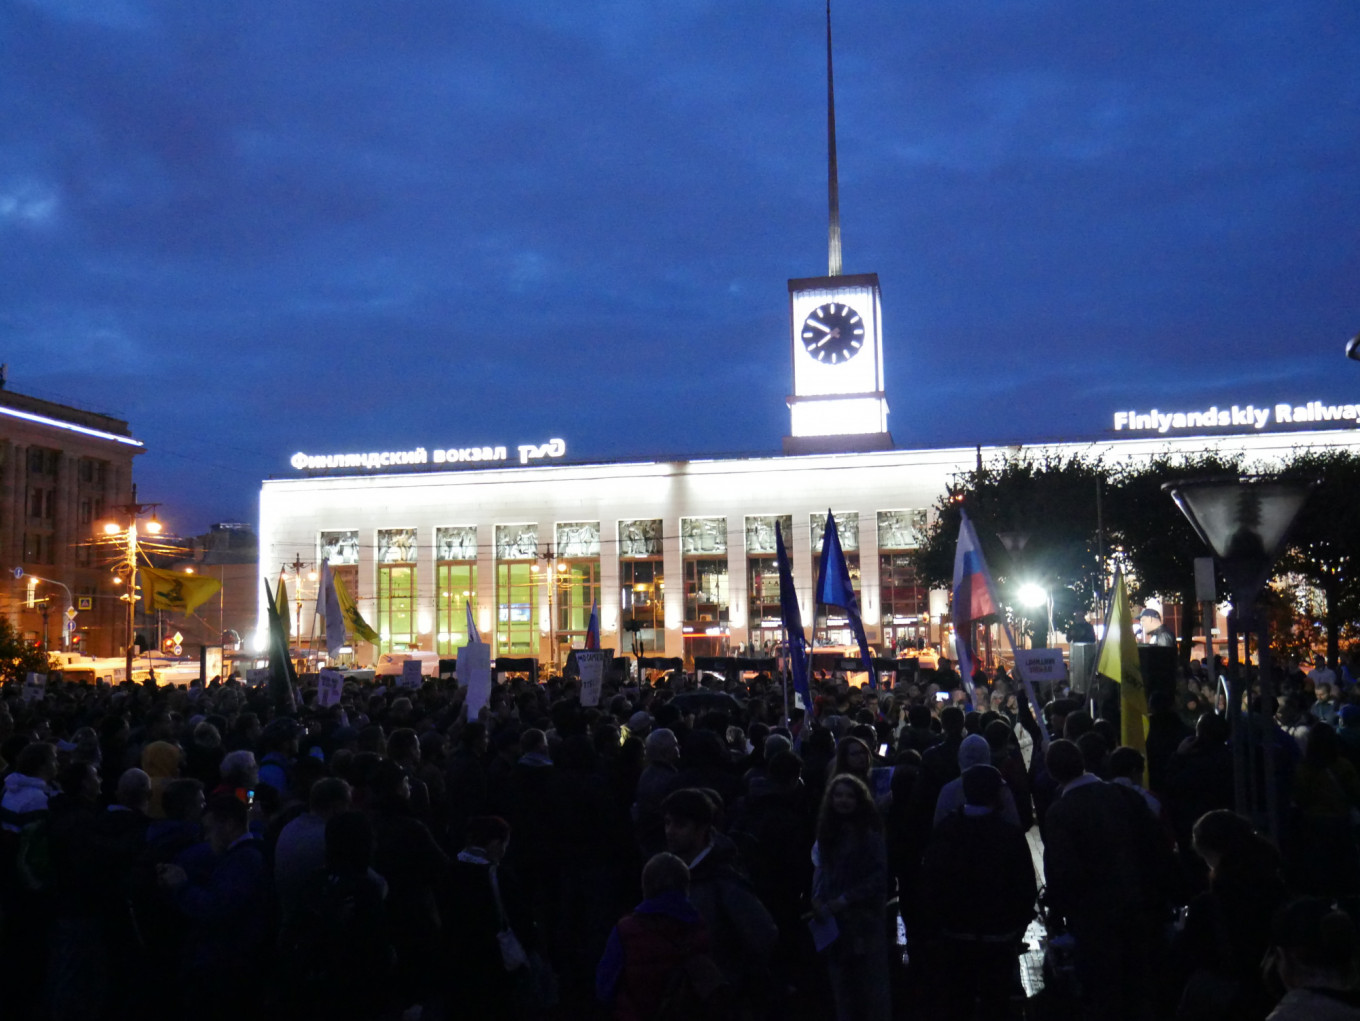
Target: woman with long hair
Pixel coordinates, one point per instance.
(850, 887)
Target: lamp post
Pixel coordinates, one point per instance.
(127, 569)
(552, 577)
(1244, 521)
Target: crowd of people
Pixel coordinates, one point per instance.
(681, 850)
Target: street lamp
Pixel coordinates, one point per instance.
(1034, 595)
(1244, 521)
(130, 512)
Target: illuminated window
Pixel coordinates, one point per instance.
(516, 609)
(396, 607)
(642, 597)
(456, 583)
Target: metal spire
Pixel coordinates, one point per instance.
(833, 255)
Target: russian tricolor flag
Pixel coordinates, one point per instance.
(593, 628)
(974, 594)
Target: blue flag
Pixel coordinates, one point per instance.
(834, 589)
(793, 622)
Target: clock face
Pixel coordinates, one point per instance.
(833, 333)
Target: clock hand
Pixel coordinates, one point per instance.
(824, 329)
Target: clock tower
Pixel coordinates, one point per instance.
(836, 333)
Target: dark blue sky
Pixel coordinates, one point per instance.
(265, 226)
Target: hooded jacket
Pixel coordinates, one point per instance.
(24, 795)
(975, 751)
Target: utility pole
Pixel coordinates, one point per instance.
(130, 512)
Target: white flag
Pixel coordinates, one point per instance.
(328, 609)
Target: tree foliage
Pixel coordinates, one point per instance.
(17, 657)
(1036, 521)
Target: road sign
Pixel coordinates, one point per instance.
(18, 573)
(70, 613)
(177, 649)
(85, 602)
(177, 639)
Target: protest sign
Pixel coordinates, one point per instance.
(474, 670)
(330, 685)
(1041, 664)
(592, 663)
(35, 687)
(410, 674)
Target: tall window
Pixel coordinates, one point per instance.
(576, 582)
(517, 590)
(342, 550)
(832, 624)
(455, 584)
(905, 603)
(578, 589)
(642, 583)
(764, 619)
(516, 609)
(396, 554)
(703, 548)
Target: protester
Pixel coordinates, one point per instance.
(850, 893)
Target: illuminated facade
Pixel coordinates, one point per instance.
(685, 548)
(61, 471)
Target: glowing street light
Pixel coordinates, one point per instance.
(127, 569)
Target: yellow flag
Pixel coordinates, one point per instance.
(176, 590)
(350, 609)
(281, 604)
(1119, 662)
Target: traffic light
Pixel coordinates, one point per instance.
(168, 645)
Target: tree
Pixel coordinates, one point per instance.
(1324, 543)
(17, 657)
(1036, 521)
(1147, 528)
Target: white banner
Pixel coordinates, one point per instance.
(410, 674)
(1041, 664)
(330, 685)
(592, 664)
(35, 688)
(474, 670)
(254, 677)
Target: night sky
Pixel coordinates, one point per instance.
(263, 226)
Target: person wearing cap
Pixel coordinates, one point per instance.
(976, 890)
(640, 724)
(1154, 633)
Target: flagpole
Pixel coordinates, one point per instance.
(784, 673)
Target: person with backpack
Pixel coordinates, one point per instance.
(742, 932)
(656, 965)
